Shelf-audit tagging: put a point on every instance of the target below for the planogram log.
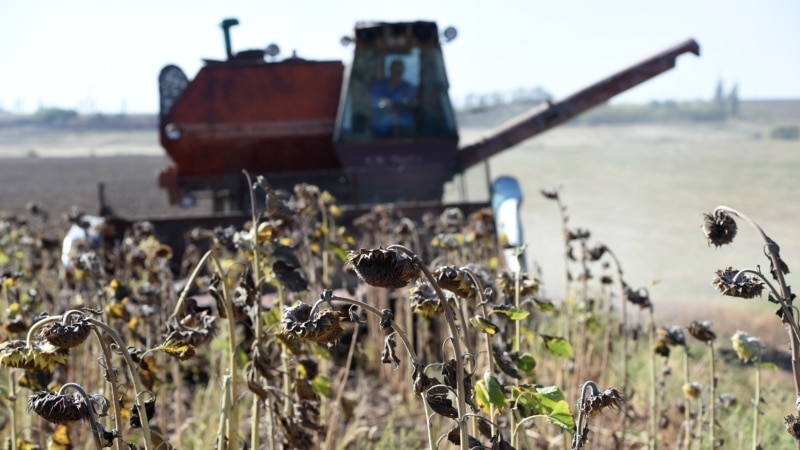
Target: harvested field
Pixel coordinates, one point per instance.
(640, 189)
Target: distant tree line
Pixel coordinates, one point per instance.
(721, 107)
(55, 116)
(70, 118)
(474, 103)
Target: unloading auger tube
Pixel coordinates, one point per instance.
(549, 115)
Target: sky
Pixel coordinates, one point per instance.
(105, 56)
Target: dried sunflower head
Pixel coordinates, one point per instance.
(325, 327)
(58, 408)
(730, 283)
(448, 241)
(719, 228)
(702, 331)
(196, 328)
(661, 348)
(639, 297)
(692, 390)
(482, 224)
(610, 398)
(451, 220)
(793, 426)
(69, 335)
(596, 252)
(747, 347)
(550, 194)
(672, 336)
(424, 301)
(506, 283)
(577, 234)
(452, 279)
(90, 263)
(44, 356)
(383, 268)
(163, 251)
(15, 325)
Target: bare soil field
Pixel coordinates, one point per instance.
(641, 190)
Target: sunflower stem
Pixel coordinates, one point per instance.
(757, 399)
(687, 415)
(712, 407)
(233, 415)
(189, 281)
(578, 439)
(328, 296)
(112, 380)
(449, 316)
(137, 382)
(653, 435)
(12, 410)
(255, 411)
(224, 417)
(489, 358)
(624, 326)
(772, 252)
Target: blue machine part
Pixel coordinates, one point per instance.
(506, 200)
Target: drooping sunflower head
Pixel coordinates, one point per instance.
(719, 228)
(385, 268)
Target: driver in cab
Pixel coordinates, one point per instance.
(393, 103)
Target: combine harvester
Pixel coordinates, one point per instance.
(323, 123)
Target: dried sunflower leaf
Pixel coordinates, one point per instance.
(177, 348)
(484, 325)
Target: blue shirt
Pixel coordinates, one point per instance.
(393, 107)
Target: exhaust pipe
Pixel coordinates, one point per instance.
(226, 30)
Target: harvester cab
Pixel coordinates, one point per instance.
(396, 132)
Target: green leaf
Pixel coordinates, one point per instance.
(769, 365)
(482, 396)
(272, 317)
(513, 313)
(561, 416)
(527, 402)
(322, 385)
(526, 362)
(549, 396)
(339, 252)
(591, 322)
(544, 305)
(494, 390)
(558, 346)
(483, 324)
(320, 351)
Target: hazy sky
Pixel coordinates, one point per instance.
(106, 55)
